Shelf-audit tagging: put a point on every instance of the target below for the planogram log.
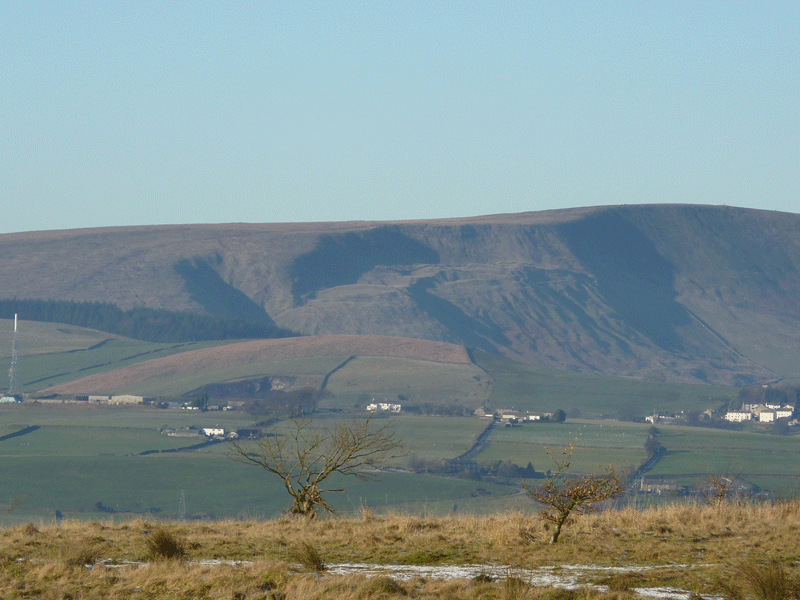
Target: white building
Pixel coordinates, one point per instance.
(737, 416)
(213, 431)
(766, 416)
(384, 406)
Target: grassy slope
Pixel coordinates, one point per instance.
(417, 381)
(52, 353)
(527, 387)
(310, 357)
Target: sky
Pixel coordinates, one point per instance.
(144, 113)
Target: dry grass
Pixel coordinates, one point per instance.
(726, 550)
(162, 544)
(307, 556)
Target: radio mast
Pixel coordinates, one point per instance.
(12, 372)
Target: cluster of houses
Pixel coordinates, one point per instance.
(215, 433)
(764, 413)
(383, 406)
(510, 416)
(507, 416)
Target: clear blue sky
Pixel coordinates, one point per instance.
(137, 113)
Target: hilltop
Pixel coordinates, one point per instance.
(664, 292)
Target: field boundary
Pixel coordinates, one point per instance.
(25, 431)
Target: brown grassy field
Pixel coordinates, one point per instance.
(727, 551)
(221, 357)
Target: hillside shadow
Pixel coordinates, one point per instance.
(220, 299)
(342, 259)
(634, 279)
(472, 332)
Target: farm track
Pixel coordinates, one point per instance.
(479, 443)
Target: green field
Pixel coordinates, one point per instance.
(90, 441)
(52, 353)
(213, 485)
(84, 454)
(98, 415)
(417, 381)
(768, 461)
(597, 445)
(538, 389)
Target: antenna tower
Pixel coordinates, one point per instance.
(182, 507)
(12, 372)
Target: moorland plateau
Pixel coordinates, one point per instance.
(665, 292)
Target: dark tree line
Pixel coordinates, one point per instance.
(146, 324)
(291, 404)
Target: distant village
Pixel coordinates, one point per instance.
(763, 413)
(760, 408)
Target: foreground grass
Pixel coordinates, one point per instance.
(703, 550)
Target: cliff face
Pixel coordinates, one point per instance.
(676, 292)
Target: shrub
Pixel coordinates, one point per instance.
(162, 544)
(564, 497)
(307, 555)
(79, 554)
(768, 582)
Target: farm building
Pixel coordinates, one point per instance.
(185, 432)
(384, 406)
(766, 416)
(738, 416)
(657, 486)
(128, 399)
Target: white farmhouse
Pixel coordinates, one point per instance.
(384, 406)
(213, 431)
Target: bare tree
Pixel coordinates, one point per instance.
(564, 496)
(720, 489)
(306, 455)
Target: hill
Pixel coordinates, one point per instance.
(665, 292)
(305, 361)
